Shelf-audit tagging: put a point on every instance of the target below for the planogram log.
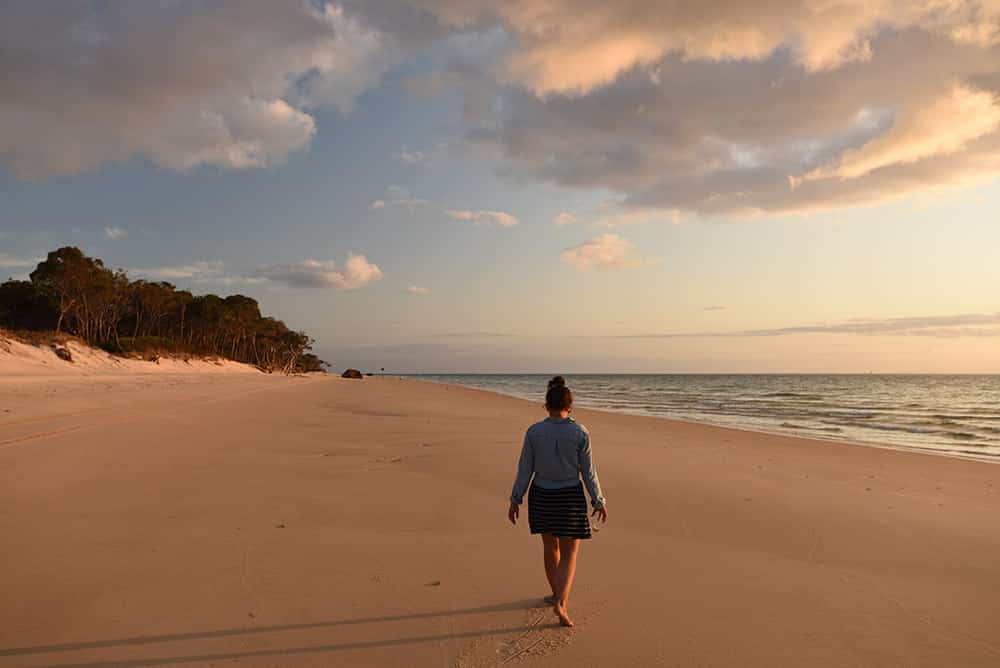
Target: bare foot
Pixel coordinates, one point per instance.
(562, 615)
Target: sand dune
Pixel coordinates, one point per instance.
(198, 519)
(26, 361)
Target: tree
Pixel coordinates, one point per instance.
(24, 306)
(309, 363)
(61, 277)
(81, 288)
(71, 291)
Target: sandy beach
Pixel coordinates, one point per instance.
(197, 519)
(756, 240)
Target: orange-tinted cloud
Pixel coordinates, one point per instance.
(605, 251)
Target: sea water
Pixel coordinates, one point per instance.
(958, 414)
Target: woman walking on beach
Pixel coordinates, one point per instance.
(555, 456)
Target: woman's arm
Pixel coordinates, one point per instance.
(525, 469)
(589, 473)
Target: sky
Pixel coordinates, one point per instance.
(534, 185)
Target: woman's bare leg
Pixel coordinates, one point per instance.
(550, 548)
(566, 570)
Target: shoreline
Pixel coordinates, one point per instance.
(983, 458)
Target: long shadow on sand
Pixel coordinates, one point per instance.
(524, 604)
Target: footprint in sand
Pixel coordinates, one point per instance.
(384, 462)
(540, 635)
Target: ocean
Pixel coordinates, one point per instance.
(957, 415)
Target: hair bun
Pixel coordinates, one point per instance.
(558, 398)
(557, 381)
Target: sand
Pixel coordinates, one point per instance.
(29, 362)
(204, 518)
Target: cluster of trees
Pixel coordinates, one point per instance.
(70, 292)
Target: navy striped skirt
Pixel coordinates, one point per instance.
(560, 512)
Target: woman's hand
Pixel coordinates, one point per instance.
(601, 514)
(513, 512)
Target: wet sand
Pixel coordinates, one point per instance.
(200, 519)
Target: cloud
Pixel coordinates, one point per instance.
(724, 109)
(408, 203)
(398, 196)
(741, 137)
(564, 218)
(12, 262)
(616, 215)
(714, 308)
(961, 325)
(947, 125)
(413, 157)
(182, 84)
(201, 271)
(605, 251)
(416, 290)
(484, 218)
(473, 335)
(356, 273)
(115, 233)
(576, 46)
(727, 109)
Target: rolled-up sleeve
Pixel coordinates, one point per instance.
(525, 469)
(589, 473)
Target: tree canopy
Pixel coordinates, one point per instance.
(71, 292)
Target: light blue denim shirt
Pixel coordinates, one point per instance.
(557, 453)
